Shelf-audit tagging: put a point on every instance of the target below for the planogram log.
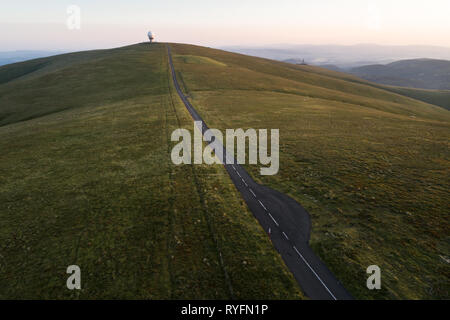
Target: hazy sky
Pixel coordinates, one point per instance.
(43, 24)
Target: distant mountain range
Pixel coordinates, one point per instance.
(343, 56)
(416, 73)
(23, 55)
(427, 80)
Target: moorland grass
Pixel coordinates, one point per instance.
(372, 167)
(198, 60)
(88, 180)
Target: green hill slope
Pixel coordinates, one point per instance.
(415, 73)
(439, 98)
(86, 179)
(370, 165)
(43, 86)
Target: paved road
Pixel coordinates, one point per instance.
(288, 221)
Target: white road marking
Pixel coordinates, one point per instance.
(238, 174)
(317, 276)
(252, 193)
(285, 235)
(274, 220)
(262, 205)
(245, 182)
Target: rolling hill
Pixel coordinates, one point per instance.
(8, 57)
(440, 98)
(88, 178)
(368, 164)
(417, 73)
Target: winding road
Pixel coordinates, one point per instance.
(289, 223)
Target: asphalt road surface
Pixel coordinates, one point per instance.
(289, 223)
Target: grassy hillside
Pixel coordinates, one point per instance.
(70, 81)
(371, 166)
(415, 73)
(86, 179)
(439, 98)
